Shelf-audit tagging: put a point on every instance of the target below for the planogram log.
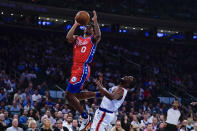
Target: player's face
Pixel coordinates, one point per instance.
(88, 30)
(128, 80)
(176, 104)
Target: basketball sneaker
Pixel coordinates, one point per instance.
(84, 124)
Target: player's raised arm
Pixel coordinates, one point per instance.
(117, 94)
(97, 32)
(70, 36)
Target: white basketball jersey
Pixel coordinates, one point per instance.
(112, 105)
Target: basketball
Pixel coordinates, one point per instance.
(82, 17)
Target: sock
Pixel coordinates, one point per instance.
(98, 94)
(84, 115)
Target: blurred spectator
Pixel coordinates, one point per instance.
(68, 122)
(46, 125)
(14, 126)
(59, 115)
(41, 90)
(18, 96)
(195, 126)
(135, 121)
(32, 126)
(149, 127)
(3, 95)
(75, 126)
(155, 123)
(2, 123)
(125, 123)
(189, 126)
(48, 116)
(60, 127)
(15, 109)
(145, 120)
(66, 109)
(28, 106)
(23, 119)
(30, 88)
(118, 126)
(36, 97)
(161, 127)
(7, 119)
(57, 107)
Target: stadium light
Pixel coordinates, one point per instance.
(160, 35)
(39, 22)
(21, 15)
(11, 14)
(82, 27)
(147, 34)
(195, 37)
(48, 23)
(68, 27)
(56, 20)
(2, 13)
(44, 23)
(64, 20)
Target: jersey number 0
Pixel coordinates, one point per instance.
(83, 49)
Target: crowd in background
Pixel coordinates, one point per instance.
(147, 8)
(44, 60)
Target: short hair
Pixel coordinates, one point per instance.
(14, 120)
(1, 115)
(31, 122)
(60, 120)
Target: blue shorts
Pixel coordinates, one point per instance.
(79, 75)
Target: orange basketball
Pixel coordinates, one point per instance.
(82, 17)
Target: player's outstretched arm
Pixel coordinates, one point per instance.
(97, 32)
(117, 94)
(70, 36)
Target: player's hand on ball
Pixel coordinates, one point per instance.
(94, 18)
(76, 23)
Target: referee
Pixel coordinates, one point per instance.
(173, 116)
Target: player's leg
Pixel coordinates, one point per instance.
(77, 80)
(88, 95)
(100, 121)
(75, 102)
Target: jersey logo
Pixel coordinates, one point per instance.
(79, 42)
(73, 79)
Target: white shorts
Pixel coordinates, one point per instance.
(102, 120)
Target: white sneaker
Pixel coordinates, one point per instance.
(84, 124)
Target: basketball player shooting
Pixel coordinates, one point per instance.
(84, 48)
(111, 102)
